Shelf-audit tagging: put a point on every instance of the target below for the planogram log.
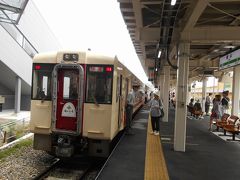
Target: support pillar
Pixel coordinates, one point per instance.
(204, 92)
(165, 96)
(189, 94)
(161, 82)
(17, 94)
(181, 97)
(236, 91)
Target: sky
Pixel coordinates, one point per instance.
(94, 24)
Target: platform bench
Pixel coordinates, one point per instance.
(232, 128)
(221, 122)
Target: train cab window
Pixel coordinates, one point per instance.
(41, 81)
(99, 84)
(70, 85)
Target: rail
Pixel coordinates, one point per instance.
(19, 37)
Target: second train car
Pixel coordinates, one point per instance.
(78, 102)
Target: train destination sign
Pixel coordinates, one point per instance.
(230, 60)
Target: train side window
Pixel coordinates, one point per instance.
(99, 84)
(41, 82)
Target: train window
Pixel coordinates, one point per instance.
(41, 81)
(99, 84)
(70, 85)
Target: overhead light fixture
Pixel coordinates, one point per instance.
(156, 69)
(159, 53)
(173, 2)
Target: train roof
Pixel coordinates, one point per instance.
(85, 57)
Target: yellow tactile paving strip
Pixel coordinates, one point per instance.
(155, 166)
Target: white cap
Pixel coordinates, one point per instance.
(157, 93)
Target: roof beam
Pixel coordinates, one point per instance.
(9, 8)
(212, 34)
(195, 14)
(148, 34)
(137, 12)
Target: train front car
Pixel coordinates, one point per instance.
(74, 109)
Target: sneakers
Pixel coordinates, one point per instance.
(156, 133)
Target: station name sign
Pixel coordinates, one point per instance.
(230, 60)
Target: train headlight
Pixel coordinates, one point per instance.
(66, 57)
(70, 57)
(75, 57)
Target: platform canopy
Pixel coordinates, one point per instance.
(11, 10)
(210, 26)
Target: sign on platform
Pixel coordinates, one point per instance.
(230, 60)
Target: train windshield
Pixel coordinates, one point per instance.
(99, 84)
(41, 81)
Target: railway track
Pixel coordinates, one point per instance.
(79, 168)
(61, 169)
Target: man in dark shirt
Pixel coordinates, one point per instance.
(225, 101)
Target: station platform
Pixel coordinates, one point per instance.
(10, 115)
(145, 156)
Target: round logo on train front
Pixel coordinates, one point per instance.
(69, 110)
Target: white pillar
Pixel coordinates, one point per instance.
(165, 96)
(204, 91)
(236, 91)
(17, 95)
(189, 94)
(161, 82)
(214, 86)
(181, 97)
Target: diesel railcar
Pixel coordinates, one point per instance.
(78, 102)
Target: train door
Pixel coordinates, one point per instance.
(126, 94)
(120, 101)
(68, 98)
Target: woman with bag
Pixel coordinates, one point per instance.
(156, 112)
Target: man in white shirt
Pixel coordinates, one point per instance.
(129, 108)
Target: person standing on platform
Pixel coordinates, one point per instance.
(208, 103)
(146, 97)
(216, 110)
(129, 109)
(225, 102)
(156, 106)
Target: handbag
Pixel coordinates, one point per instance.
(161, 109)
(162, 113)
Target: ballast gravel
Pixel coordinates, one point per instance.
(24, 164)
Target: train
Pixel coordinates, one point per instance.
(78, 102)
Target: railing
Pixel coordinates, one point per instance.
(19, 37)
(13, 130)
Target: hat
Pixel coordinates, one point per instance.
(157, 93)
